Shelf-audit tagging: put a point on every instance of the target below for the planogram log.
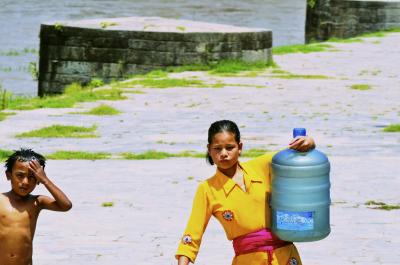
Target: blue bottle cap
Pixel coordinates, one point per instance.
(299, 132)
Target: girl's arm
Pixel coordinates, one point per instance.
(201, 212)
(183, 260)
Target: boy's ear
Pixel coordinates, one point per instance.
(240, 147)
(8, 175)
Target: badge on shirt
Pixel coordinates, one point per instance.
(292, 261)
(186, 239)
(227, 215)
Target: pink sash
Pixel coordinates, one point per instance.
(259, 241)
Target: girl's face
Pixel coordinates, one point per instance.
(225, 151)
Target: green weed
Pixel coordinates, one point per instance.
(151, 82)
(254, 152)
(350, 40)
(297, 76)
(382, 205)
(4, 115)
(58, 26)
(189, 68)
(360, 87)
(107, 204)
(134, 91)
(237, 66)
(392, 128)
(4, 154)
(101, 110)
(4, 98)
(14, 52)
(311, 3)
(78, 155)
(73, 94)
(6, 69)
(105, 24)
(33, 70)
(153, 154)
(302, 48)
(62, 131)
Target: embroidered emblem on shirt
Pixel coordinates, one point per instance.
(292, 261)
(227, 215)
(186, 239)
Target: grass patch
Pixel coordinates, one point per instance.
(392, 128)
(164, 82)
(73, 94)
(106, 24)
(78, 155)
(225, 67)
(107, 204)
(4, 115)
(14, 52)
(382, 205)
(62, 131)
(297, 76)
(254, 152)
(378, 34)
(360, 87)
(302, 48)
(350, 40)
(101, 110)
(153, 154)
(189, 68)
(156, 79)
(237, 66)
(134, 92)
(4, 154)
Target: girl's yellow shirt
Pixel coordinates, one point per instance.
(239, 212)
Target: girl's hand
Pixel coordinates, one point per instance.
(302, 143)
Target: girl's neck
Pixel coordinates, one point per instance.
(230, 172)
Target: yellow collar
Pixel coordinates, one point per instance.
(228, 183)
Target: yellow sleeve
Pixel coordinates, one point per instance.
(201, 212)
(261, 163)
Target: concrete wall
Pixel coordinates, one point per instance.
(78, 54)
(344, 19)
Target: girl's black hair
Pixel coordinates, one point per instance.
(24, 155)
(221, 126)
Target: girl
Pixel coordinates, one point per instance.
(238, 196)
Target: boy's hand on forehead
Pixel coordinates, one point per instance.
(37, 171)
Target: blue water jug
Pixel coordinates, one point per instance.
(300, 196)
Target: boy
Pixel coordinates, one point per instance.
(19, 209)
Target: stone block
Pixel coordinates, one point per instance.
(105, 55)
(66, 53)
(264, 55)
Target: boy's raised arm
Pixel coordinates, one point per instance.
(60, 201)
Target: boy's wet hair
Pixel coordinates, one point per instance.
(222, 126)
(23, 155)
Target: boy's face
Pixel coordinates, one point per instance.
(22, 180)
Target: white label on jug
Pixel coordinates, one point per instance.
(297, 221)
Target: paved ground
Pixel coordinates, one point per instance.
(152, 199)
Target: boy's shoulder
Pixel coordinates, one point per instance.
(5, 198)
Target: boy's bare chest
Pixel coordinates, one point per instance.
(17, 216)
